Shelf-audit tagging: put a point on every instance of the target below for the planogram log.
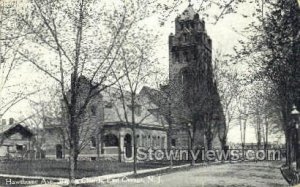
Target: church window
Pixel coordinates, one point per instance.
(179, 57)
(138, 143)
(173, 142)
(176, 57)
(184, 76)
(108, 105)
(144, 143)
(181, 26)
(186, 56)
(185, 37)
(192, 25)
(93, 141)
(163, 142)
(93, 110)
(153, 144)
(137, 109)
(149, 141)
(111, 140)
(205, 67)
(158, 141)
(19, 147)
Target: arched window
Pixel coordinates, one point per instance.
(158, 141)
(144, 139)
(93, 141)
(181, 26)
(153, 141)
(173, 142)
(93, 110)
(185, 37)
(176, 57)
(192, 25)
(149, 141)
(111, 140)
(163, 142)
(186, 56)
(138, 143)
(184, 76)
(205, 67)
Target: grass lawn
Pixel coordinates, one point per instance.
(59, 168)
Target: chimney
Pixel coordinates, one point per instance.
(3, 122)
(11, 121)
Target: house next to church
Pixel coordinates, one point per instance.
(16, 141)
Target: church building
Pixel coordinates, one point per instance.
(192, 92)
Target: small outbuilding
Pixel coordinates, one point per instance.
(16, 142)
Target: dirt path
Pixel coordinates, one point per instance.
(260, 174)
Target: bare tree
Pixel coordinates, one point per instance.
(69, 40)
(243, 112)
(272, 50)
(46, 113)
(229, 88)
(137, 67)
(10, 90)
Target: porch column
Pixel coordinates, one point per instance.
(98, 138)
(121, 147)
(101, 138)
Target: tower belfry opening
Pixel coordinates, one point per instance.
(190, 46)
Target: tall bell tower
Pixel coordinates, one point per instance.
(190, 72)
(190, 46)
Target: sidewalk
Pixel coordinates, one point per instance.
(102, 179)
(53, 182)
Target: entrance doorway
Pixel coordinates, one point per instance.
(59, 152)
(128, 145)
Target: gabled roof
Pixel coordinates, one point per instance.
(155, 95)
(8, 130)
(116, 113)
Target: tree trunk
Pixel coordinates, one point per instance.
(134, 152)
(287, 135)
(73, 129)
(209, 139)
(288, 148)
(258, 135)
(266, 139)
(244, 136)
(75, 161)
(192, 149)
(169, 119)
(169, 146)
(209, 143)
(98, 139)
(72, 168)
(134, 133)
(223, 142)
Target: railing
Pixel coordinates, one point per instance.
(290, 175)
(111, 150)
